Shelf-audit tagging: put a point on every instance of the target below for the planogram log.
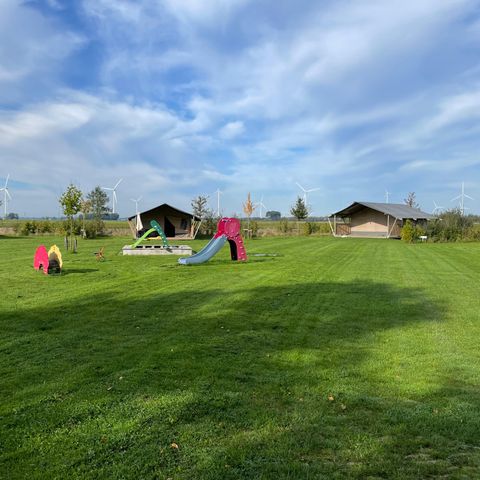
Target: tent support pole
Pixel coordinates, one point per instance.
(394, 223)
(331, 228)
(195, 230)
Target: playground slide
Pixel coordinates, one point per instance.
(228, 229)
(155, 227)
(206, 253)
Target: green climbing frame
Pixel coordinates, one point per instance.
(155, 228)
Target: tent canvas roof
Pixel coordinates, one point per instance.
(397, 210)
(167, 207)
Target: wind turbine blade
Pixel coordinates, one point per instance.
(118, 183)
(468, 196)
(300, 186)
(313, 190)
(8, 193)
(107, 188)
(114, 196)
(456, 198)
(6, 180)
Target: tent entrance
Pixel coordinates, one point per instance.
(169, 228)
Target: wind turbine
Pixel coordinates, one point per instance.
(437, 208)
(387, 195)
(462, 198)
(6, 194)
(305, 191)
(138, 219)
(218, 192)
(136, 203)
(262, 206)
(114, 194)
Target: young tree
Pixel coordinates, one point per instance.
(411, 200)
(70, 200)
(209, 222)
(199, 206)
(85, 209)
(98, 202)
(299, 210)
(248, 209)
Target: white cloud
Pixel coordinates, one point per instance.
(92, 140)
(454, 109)
(43, 121)
(284, 73)
(232, 130)
(204, 12)
(31, 50)
(125, 10)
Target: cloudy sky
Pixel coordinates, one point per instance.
(180, 98)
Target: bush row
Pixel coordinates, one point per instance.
(411, 233)
(451, 226)
(89, 228)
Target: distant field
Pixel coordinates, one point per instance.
(111, 224)
(339, 358)
(121, 227)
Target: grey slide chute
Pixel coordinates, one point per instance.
(206, 253)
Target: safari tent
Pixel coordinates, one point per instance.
(175, 222)
(367, 219)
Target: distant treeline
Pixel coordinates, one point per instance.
(88, 216)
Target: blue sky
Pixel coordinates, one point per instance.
(180, 98)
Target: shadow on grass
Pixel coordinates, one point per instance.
(69, 271)
(241, 383)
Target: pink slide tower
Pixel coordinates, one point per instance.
(231, 228)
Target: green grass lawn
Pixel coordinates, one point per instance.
(340, 358)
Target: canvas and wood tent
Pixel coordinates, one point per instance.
(175, 222)
(367, 219)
